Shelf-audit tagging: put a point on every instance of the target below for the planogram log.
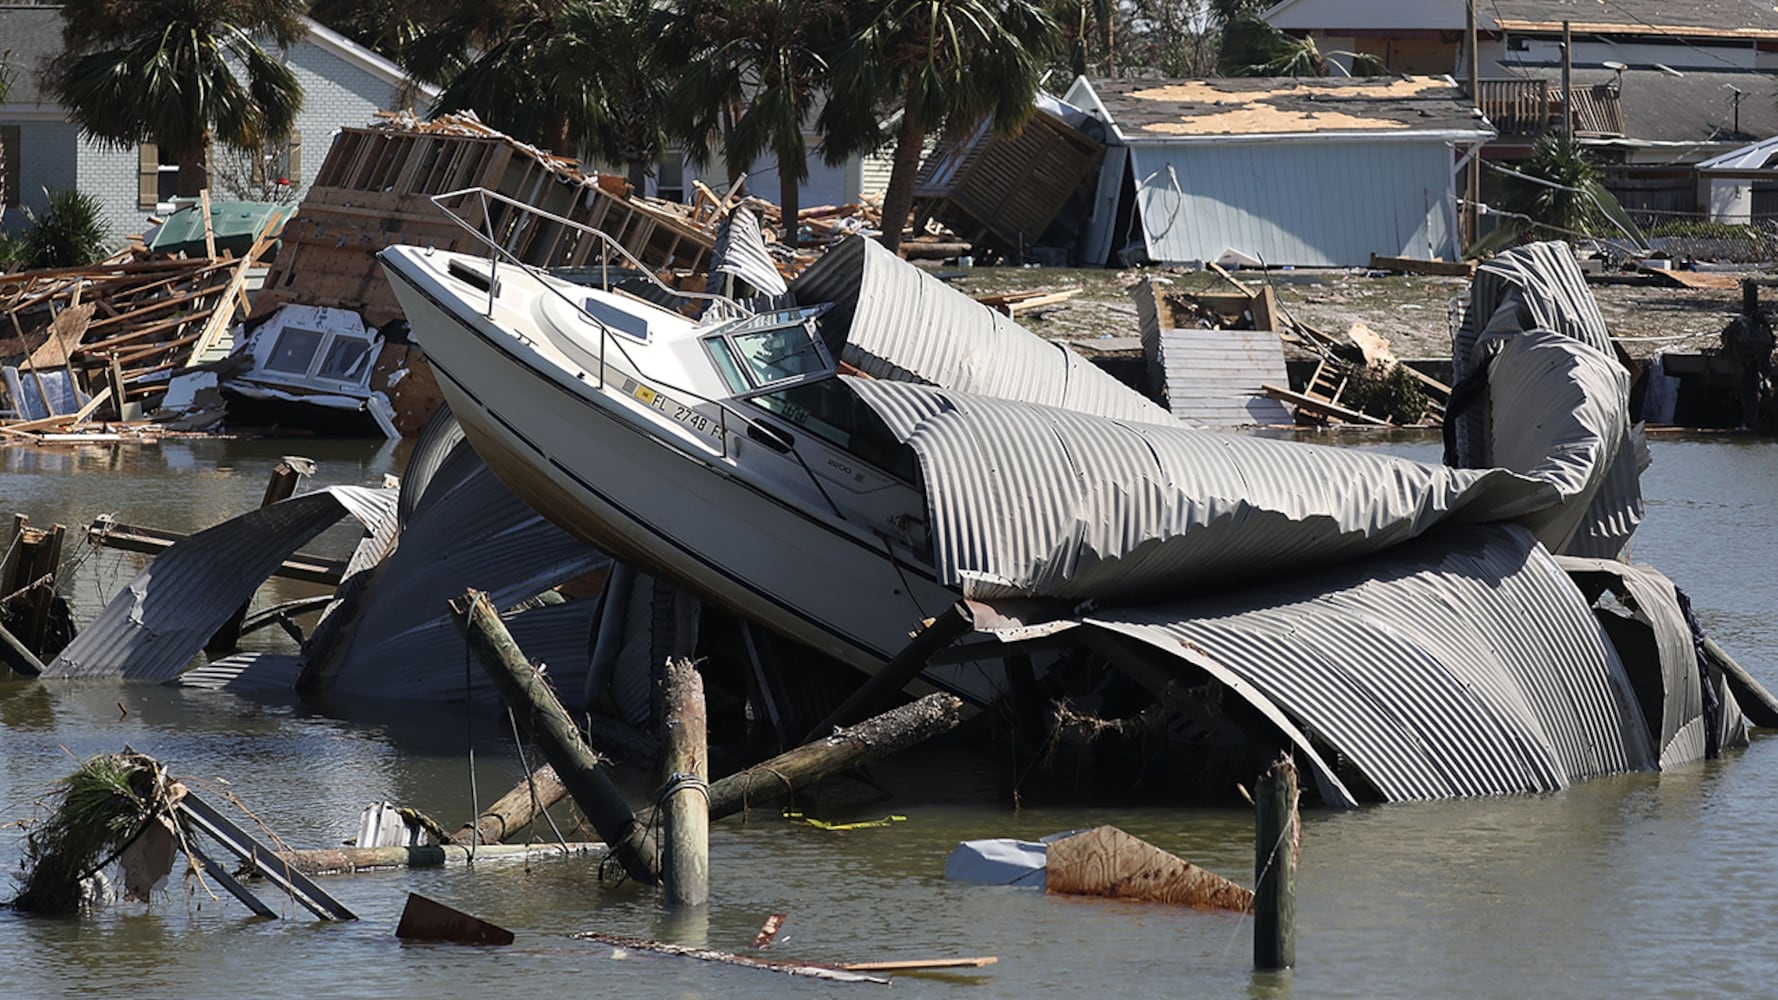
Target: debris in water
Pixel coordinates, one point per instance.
(429, 920)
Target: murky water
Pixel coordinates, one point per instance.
(1644, 885)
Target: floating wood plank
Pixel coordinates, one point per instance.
(911, 964)
(153, 541)
(831, 973)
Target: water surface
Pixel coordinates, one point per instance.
(1644, 885)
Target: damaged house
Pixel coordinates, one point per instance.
(1277, 171)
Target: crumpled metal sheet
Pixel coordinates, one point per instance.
(163, 617)
(467, 531)
(740, 252)
(1462, 664)
(900, 323)
(1655, 641)
(1557, 401)
(1034, 501)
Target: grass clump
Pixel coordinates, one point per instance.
(101, 808)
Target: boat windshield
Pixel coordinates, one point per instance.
(770, 350)
(830, 410)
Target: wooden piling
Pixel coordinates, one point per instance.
(685, 788)
(523, 688)
(515, 810)
(1274, 867)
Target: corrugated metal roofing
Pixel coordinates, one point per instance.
(901, 323)
(1464, 663)
(1307, 204)
(1030, 500)
(467, 531)
(1756, 156)
(1215, 377)
(1563, 407)
(163, 617)
(1657, 641)
(740, 252)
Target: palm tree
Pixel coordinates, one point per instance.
(497, 59)
(560, 73)
(756, 76)
(179, 73)
(626, 57)
(952, 64)
(1559, 191)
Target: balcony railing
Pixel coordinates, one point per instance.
(1531, 107)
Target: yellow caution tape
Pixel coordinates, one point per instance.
(819, 824)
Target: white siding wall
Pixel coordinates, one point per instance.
(1311, 203)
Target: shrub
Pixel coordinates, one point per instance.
(71, 232)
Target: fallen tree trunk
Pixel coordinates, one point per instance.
(872, 739)
(534, 703)
(516, 809)
(346, 860)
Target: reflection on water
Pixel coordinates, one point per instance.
(1647, 885)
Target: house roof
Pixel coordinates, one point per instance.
(29, 36)
(1694, 106)
(1757, 156)
(1691, 18)
(1255, 108)
(1695, 19)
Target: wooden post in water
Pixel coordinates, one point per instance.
(1274, 867)
(685, 787)
(523, 688)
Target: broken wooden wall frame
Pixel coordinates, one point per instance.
(119, 324)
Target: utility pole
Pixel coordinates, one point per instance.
(1567, 86)
(1474, 196)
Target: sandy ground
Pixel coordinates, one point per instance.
(1413, 312)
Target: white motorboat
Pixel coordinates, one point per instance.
(720, 454)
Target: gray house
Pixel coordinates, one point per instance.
(1311, 172)
(343, 84)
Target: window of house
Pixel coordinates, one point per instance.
(669, 172)
(9, 152)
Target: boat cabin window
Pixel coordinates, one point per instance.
(294, 351)
(831, 411)
(345, 359)
(769, 350)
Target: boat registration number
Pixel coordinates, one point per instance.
(673, 408)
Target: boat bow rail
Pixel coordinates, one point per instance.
(501, 224)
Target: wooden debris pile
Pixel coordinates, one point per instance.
(1357, 379)
(92, 343)
(374, 190)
